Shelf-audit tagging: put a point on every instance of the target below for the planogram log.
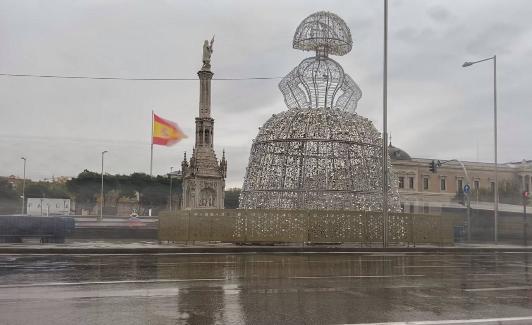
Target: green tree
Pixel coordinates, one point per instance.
(509, 192)
(45, 189)
(6, 190)
(10, 200)
(231, 198)
(85, 187)
(153, 191)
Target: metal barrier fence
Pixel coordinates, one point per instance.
(13, 228)
(300, 226)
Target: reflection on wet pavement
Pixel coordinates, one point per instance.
(266, 289)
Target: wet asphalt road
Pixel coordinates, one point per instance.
(266, 289)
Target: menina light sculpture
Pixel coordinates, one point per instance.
(319, 154)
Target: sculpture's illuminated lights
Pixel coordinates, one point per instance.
(319, 154)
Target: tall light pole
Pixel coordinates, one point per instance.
(385, 132)
(23, 186)
(101, 192)
(171, 168)
(496, 189)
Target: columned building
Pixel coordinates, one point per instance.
(203, 175)
(422, 191)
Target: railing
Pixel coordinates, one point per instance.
(302, 226)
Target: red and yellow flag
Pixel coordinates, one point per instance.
(165, 132)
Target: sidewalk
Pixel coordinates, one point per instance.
(153, 247)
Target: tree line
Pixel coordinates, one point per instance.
(85, 189)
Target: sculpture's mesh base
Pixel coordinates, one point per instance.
(316, 159)
(319, 200)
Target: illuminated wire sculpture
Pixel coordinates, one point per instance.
(323, 32)
(319, 154)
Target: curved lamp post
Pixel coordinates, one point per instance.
(496, 190)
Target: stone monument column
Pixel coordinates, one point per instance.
(205, 77)
(204, 176)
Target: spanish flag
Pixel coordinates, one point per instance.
(165, 132)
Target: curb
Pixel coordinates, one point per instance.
(252, 250)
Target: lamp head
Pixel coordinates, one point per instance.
(467, 64)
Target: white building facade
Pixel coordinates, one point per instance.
(47, 206)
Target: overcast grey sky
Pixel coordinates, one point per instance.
(436, 108)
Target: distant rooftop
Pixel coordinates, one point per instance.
(397, 153)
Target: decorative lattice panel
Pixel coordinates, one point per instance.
(299, 226)
(274, 226)
(373, 227)
(335, 226)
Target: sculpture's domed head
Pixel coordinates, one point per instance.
(320, 82)
(325, 33)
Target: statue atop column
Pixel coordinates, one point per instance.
(204, 175)
(207, 52)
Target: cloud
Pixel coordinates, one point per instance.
(496, 38)
(438, 13)
(436, 108)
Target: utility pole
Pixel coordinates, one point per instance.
(101, 192)
(496, 189)
(151, 152)
(23, 187)
(385, 132)
(433, 167)
(468, 198)
(525, 219)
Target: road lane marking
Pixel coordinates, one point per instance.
(65, 295)
(498, 274)
(352, 260)
(356, 276)
(499, 289)
(452, 321)
(430, 266)
(214, 262)
(55, 284)
(192, 263)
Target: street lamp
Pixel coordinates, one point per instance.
(101, 193)
(23, 186)
(496, 190)
(171, 168)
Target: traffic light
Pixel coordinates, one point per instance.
(525, 196)
(432, 166)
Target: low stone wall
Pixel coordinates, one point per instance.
(302, 226)
(511, 224)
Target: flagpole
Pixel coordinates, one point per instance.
(151, 156)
